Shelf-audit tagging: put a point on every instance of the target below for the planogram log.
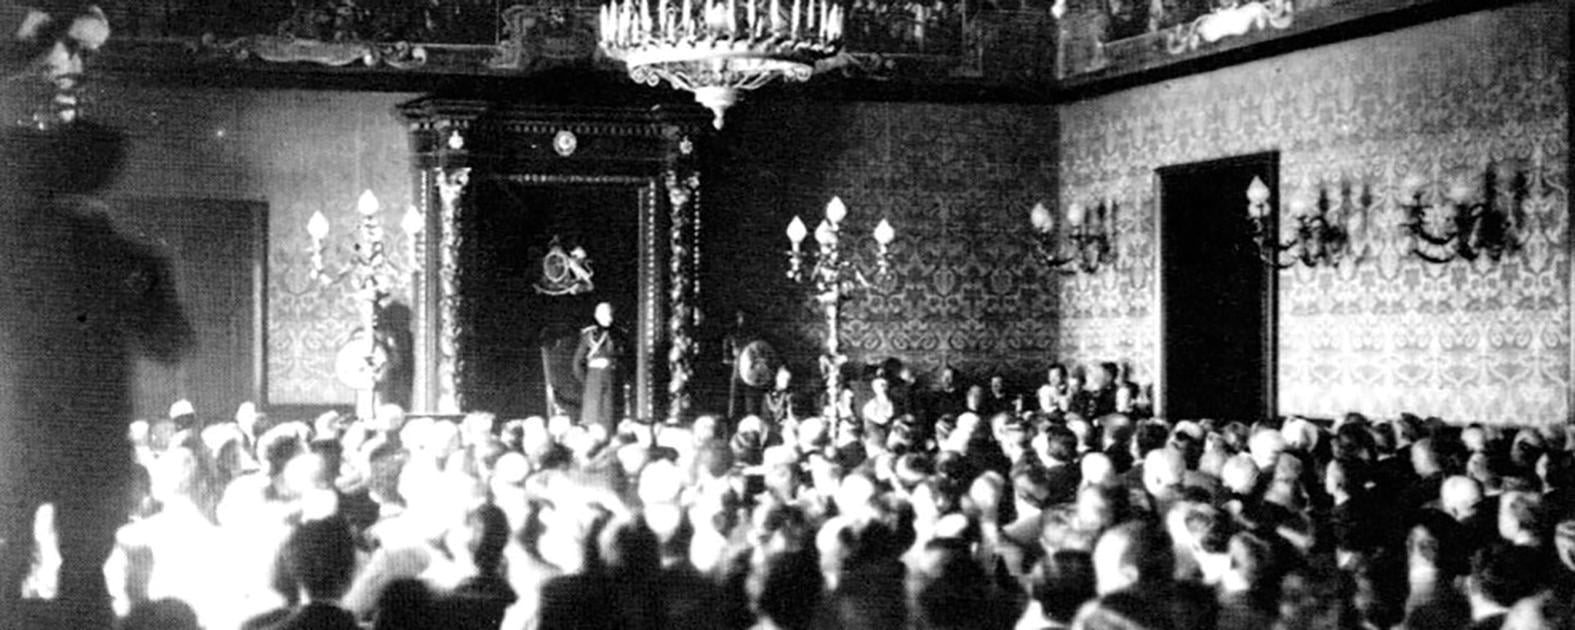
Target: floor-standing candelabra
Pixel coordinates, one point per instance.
(370, 273)
(835, 276)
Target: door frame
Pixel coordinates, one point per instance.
(1269, 297)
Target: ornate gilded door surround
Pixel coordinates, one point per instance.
(650, 150)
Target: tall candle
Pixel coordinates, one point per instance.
(754, 26)
(732, 17)
(793, 23)
(776, 16)
(685, 16)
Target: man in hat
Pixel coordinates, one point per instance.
(81, 301)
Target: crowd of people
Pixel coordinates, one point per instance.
(947, 514)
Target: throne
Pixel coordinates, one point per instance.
(558, 343)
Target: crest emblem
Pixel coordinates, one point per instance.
(565, 272)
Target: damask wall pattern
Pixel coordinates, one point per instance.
(956, 181)
(1476, 341)
(299, 152)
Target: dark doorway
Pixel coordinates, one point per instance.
(508, 229)
(217, 252)
(1217, 297)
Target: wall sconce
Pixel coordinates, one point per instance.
(1317, 235)
(1087, 242)
(1461, 221)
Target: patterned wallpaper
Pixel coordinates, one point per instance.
(1466, 341)
(298, 152)
(955, 181)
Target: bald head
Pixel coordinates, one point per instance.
(1424, 457)
(1460, 495)
(1163, 469)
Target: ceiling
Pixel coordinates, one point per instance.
(946, 50)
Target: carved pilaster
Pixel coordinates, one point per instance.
(681, 195)
(451, 185)
(423, 305)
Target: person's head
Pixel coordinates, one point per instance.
(629, 547)
(1424, 457)
(604, 314)
(1474, 438)
(879, 386)
(1265, 446)
(1433, 547)
(787, 589)
(1060, 445)
(1097, 469)
(160, 614)
(1502, 575)
(173, 475)
(1132, 554)
(1343, 477)
(48, 55)
(1127, 395)
(404, 603)
(1163, 469)
(320, 557)
(975, 398)
(1459, 497)
(1520, 518)
(784, 378)
(1103, 375)
(1056, 374)
(947, 378)
(997, 385)
(484, 535)
(1240, 474)
(1065, 580)
(1252, 563)
(1148, 437)
(1101, 507)
(1204, 528)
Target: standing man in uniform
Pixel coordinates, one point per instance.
(599, 362)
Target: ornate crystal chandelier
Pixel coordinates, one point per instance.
(718, 48)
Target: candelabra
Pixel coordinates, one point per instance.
(370, 273)
(1456, 221)
(1086, 243)
(1317, 237)
(835, 277)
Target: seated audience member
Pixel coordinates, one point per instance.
(998, 399)
(880, 409)
(946, 398)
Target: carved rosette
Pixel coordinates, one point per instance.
(451, 185)
(681, 196)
